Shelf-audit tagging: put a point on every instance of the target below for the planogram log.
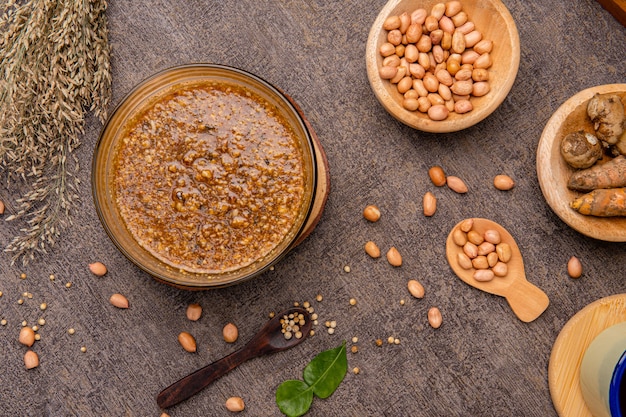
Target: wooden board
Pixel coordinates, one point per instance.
(569, 348)
(617, 8)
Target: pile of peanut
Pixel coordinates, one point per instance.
(485, 252)
(437, 61)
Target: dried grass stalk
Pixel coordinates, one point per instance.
(54, 67)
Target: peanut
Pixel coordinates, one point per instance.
(492, 236)
(31, 359)
(492, 259)
(230, 333)
(475, 237)
(438, 112)
(500, 269)
(466, 225)
(194, 312)
(459, 237)
(419, 16)
(393, 257)
(574, 267)
(480, 262)
(1, 207)
(456, 184)
(483, 275)
(415, 288)
(27, 336)
(235, 404)
(119, 301)
(486, 248)
(503, 182)
(388, 72)
(437, 176)
(371, 213)
(391, 23)
(453, 8)
(472, 38)
(430, 204)
(98, 269)
(480, 88)
(410, 104)
(463, 106)
(187, 341)
(387, 49)
(434, 317)
(470, 250)
(372, 249)
(484, 46)
(504, 252)
(464, 261)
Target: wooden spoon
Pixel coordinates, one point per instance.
(269, 339)
(526, 300)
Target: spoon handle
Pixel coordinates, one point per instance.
(198, 380)
(526, 300)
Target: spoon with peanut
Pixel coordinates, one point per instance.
(484, 255)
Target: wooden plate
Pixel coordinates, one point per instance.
(493, 20)
(553, 172)
(569, 348)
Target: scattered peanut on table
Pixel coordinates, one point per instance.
(574, 267)
(235, 404)
(31, 359)
(434, 317)
(429, 204)
(119, 301)
(98, 268)
(230, 333)
(372, 249)
(371, 213)
(437, 175)
(503, 182)
(415, 288)
(194, 311)
(187, 341)
(456, 184)
(27, 336)
(393, 257)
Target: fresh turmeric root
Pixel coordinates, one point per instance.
(611, 174)
(609, 202)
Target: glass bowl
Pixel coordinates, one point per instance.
(105, 173)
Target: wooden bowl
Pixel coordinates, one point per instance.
(553, 172)
(493, 20)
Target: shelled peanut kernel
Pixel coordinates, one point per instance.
(438, 61)
(486, 253)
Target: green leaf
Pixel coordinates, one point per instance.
(322, 376)
(326, 371)
(294, 398)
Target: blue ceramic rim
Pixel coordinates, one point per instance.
(614, 387)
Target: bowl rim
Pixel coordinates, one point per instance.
(395, 109)
(198, 283)
(549, 175)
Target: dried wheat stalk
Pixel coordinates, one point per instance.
(54, 67)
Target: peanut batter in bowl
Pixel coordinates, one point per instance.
(207, 181)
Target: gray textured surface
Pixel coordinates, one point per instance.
(481, 362)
